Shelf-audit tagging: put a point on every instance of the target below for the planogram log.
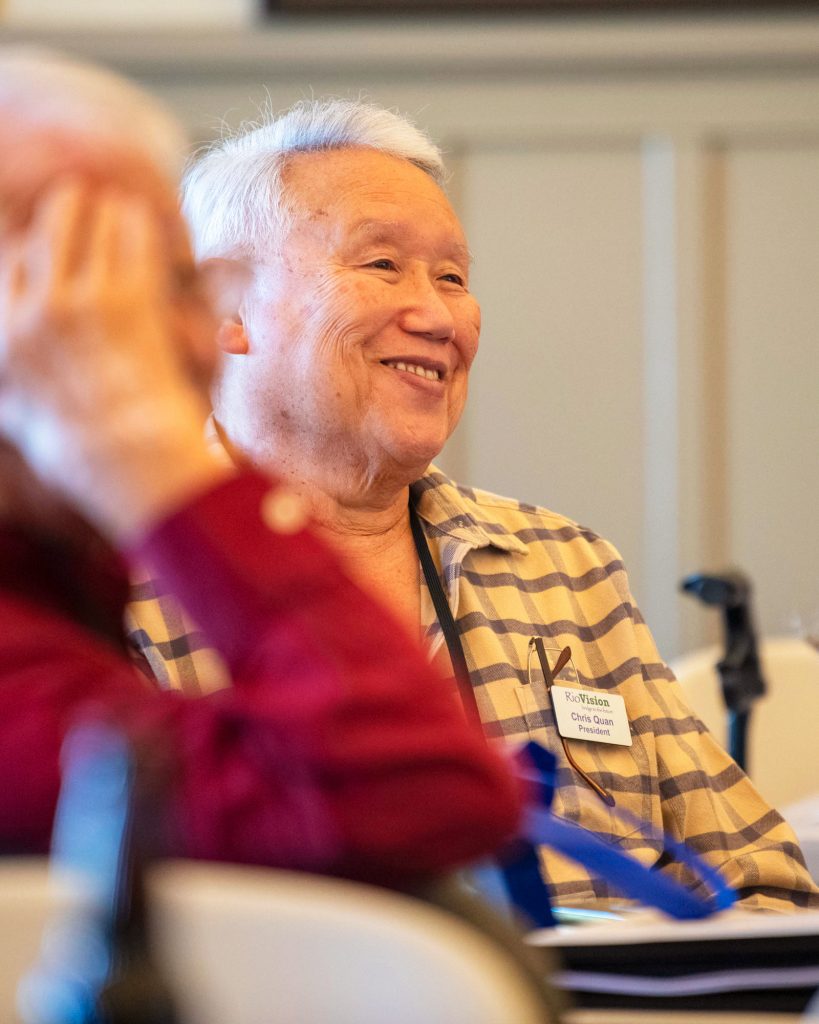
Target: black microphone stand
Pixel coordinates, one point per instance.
(739, 668)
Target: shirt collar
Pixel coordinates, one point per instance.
(454, 511)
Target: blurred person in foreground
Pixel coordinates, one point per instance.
(346, 369)
(336, 749)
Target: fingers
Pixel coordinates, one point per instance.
(66, 258)
(130, 247)
(91, 296)
(44, 257)
(101, 247)
(104, 337)
(56, 243)
(87, 259)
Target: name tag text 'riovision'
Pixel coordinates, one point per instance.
(584, 715)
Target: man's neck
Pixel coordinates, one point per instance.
(363, 516)
(368, 523)
(356, 510)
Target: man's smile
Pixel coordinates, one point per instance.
(428, 372)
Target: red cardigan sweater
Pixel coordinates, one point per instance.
(337, 749)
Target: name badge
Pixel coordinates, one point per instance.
(586, 715)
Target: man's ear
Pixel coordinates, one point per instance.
(231, 337)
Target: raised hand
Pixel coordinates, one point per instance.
(106, 346)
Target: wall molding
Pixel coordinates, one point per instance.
(547, 46)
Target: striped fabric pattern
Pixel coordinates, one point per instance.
(512, 571)
(164, 636)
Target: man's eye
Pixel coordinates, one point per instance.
(454, 279)
(383, 264)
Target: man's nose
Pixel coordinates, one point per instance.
(425, 310)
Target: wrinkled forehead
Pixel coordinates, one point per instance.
(362, 187)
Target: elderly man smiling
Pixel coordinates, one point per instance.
(346, 370)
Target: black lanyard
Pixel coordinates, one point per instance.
(447, 620)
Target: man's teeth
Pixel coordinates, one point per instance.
(419, 371)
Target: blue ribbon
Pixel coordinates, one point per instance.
(625, 874)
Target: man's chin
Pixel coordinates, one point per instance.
(415, 461)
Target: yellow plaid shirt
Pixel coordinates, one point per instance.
(513, 571)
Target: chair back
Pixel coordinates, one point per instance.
(253, 946)
(784, 726)
(29, 898)
(256, 946)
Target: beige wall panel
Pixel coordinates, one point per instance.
(555, 410)
(498, 109)
(772, 375)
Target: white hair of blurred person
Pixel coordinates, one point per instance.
(45, 91)
(62, 116)
(235, 194)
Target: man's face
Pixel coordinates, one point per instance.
(362, 331)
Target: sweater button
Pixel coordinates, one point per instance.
(283, 511)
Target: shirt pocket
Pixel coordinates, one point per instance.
(628, 774)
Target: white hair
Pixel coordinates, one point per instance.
(49, 91)
(234, 194)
